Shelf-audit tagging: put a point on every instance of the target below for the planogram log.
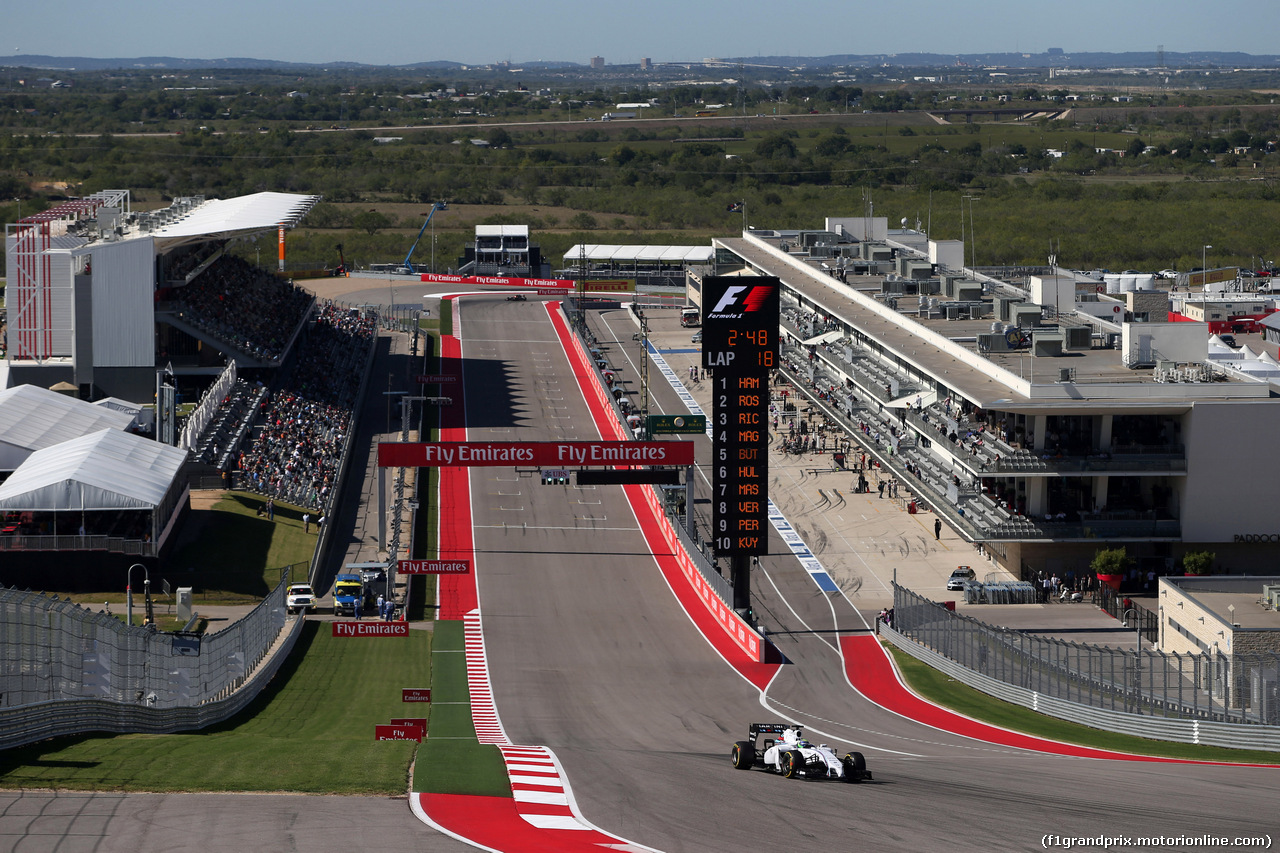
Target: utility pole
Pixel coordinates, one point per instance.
(644, 367)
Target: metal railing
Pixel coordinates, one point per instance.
(1242, 688)
(1198, 731)
(111, 544)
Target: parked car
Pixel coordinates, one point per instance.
(1167, 274)
(697, 337)
(299, 597)
(959, 576)
(1229, 340)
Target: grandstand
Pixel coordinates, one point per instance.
(121, 303)
(305, 423)
(100, 296)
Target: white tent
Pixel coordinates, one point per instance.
(34, 418)
(108, 470)
(601, 253)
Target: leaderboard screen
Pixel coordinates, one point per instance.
(740, 348)
(740, 451)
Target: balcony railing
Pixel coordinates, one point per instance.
(113, 544)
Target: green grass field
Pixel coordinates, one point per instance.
(453, 761)
(231, 555)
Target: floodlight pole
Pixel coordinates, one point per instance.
(1137, 627)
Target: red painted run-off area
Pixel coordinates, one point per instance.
(494, 823)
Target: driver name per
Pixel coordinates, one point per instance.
(499, 453)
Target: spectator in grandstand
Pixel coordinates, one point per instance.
(246, 307)
(304, 426)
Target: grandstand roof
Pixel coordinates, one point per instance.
(502, 230)
(247, 214)
(106, 470)
(34, 418)
(602, 252)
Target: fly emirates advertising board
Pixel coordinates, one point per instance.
(472, 454)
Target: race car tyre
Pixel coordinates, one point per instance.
(855, 767)
(792, 763)
(744, 755)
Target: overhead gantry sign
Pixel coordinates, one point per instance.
(472, 454)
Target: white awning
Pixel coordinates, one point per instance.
(825, 338)
(626, 254)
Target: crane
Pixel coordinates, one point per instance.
(407, 267)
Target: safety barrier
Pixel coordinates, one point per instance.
(28, 724)
(1040, 672)
(68, 669)
(1209, 733)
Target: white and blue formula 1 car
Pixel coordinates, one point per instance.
(793, 756)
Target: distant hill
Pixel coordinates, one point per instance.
(159, 63)
(1132, 59)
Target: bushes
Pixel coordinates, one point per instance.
(1198, 562)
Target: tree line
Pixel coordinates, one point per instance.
(1183, 174)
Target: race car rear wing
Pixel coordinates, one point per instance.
(771, 729)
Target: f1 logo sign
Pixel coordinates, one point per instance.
(756, 298)
(727, 300)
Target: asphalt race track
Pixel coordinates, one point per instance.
(591, 656)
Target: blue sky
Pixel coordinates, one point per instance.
(397, 32)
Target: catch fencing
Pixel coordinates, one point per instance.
(1241, 688)
(55, 650)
